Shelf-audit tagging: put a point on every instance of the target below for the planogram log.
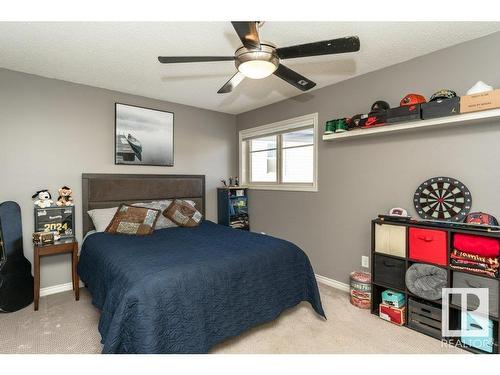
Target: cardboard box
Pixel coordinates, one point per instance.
(371, 121)
(403, 114)
(480, 101)
(393, 298)
(440, 108)
(393, 314)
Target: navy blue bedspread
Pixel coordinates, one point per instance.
(183, 290)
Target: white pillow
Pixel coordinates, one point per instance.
(101, 217)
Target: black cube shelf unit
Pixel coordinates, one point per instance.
(388, 272)
(232, 207)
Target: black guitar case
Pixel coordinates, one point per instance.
(16, 282)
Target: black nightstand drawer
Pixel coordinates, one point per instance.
(389, 271)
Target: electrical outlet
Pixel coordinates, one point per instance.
(365, 261)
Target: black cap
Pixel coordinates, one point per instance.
(380, 106)
(354, 121)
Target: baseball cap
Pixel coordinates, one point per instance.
(480, 218)
(380, 106)
(353, 122)
(398, 211)
(443, 94)
(412, 99)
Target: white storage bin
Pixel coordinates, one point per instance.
(390, 239)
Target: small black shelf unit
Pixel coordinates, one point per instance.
(378, 287)
(232, 207)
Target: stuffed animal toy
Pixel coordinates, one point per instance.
(65, 198)
(43, 198)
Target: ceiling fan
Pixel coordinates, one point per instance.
(256, 59)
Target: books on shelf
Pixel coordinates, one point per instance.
(232, 207)
(238, 223)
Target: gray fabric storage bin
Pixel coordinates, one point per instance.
(465, 280)
(389, 271)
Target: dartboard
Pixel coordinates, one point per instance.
(442, 198)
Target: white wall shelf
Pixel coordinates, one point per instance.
(462, 119)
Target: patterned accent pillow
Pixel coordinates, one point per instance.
(162, 221)
(133, 220)
(162, 205)
(183, 214)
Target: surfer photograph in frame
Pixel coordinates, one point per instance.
(143, 136)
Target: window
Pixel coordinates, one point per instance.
(280, 156)
(263, 159)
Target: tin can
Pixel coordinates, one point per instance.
(341, 125)
(329, 127)
(361, 288)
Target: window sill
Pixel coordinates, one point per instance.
(311, 189)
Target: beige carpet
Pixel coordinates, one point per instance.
(63, 325)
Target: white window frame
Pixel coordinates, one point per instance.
(271, 129)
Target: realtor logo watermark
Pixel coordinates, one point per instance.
(473, 323)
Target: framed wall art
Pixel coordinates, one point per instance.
(143, 136)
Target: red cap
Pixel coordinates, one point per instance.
(412, 99)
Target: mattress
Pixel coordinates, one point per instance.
(183, 290)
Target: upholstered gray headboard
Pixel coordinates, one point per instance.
(109, 190)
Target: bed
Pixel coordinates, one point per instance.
(184, 290)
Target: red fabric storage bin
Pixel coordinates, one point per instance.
(428, 245)
(484, 246)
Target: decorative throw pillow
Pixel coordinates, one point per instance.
(101, 217)
(162, 221)
(183, 214)
(133, 220)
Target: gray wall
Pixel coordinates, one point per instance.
(52, 131)
(362, 177)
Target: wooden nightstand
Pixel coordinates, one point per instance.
(59, 247)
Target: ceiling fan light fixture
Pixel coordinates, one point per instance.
(257, 69)
(257, 59)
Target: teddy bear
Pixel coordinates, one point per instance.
(43, 198)
(65, 198)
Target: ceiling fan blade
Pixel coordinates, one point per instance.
(248, 33)
(190, 59)
(325, 47)
(294, 78)
(232, 83)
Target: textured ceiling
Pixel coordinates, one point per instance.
(123, 56)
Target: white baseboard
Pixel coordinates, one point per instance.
(333, 283)
(69, 286)
(47, 291)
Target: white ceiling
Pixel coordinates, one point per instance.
(123, 56)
